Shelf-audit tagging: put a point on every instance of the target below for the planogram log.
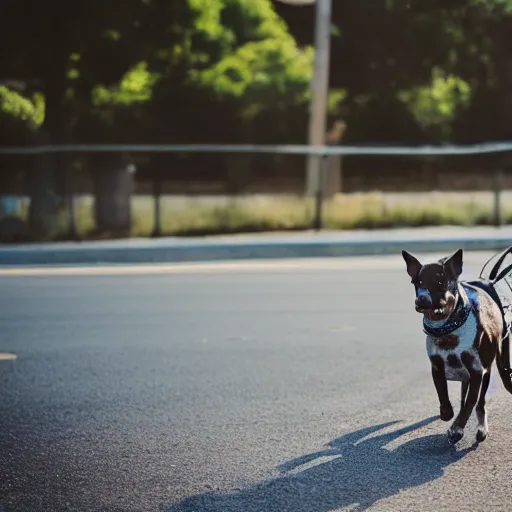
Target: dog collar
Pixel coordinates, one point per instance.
(456, 320)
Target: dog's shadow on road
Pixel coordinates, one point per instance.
(358, 473)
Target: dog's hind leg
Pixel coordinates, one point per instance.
(481, 413)
(463, 392)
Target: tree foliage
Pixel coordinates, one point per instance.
(231, 60)
(240, 70)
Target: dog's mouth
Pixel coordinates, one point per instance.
(440, 312)
(434, 313)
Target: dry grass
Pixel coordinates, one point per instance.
(186, 217)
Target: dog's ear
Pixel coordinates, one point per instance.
(454, 264)
(413, 265)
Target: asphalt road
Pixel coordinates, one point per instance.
(300, 387)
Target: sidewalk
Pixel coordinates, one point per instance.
(259, 246)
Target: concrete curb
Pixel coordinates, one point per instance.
(154, 251)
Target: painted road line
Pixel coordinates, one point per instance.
(193, 268)
(6, 356)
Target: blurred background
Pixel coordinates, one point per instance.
(225, 72)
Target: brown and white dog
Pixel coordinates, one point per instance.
(466, 331)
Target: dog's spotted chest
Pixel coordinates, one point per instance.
(450, 348)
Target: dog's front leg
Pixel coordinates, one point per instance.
(456, 431)
(439, 377)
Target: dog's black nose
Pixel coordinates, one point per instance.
(423, 302)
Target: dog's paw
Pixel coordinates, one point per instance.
(481, 435)
(455, 434)
(446, 412)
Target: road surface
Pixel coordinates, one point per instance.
(287, 386)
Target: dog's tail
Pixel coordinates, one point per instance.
(503, 362)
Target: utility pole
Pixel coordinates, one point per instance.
(320, 88)
(320, 92)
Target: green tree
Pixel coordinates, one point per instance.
(160, 70)
(391, 55)
(63, 50)
(232, 56)
(482, 58)
(232, 73)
